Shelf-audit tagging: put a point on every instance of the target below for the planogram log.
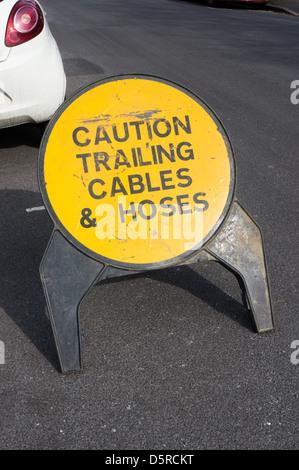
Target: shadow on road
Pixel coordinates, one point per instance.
(26, 134)
(187, 279)
(23, 239)
(232, 5)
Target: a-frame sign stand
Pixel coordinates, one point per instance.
(67, 275)
(72, 265)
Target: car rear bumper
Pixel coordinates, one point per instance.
(32, 82)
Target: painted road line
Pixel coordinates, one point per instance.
(36, 209)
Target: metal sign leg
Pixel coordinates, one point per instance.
(239, 246)
(67, 275)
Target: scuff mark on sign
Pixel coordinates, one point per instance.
(106, 118)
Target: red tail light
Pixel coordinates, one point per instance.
(26, 21)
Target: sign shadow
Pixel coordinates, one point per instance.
(23, 238)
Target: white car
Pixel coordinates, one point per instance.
(32, 77)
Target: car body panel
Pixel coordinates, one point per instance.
(32, 77)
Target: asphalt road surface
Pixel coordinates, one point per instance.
(171, 360)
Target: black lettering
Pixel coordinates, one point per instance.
(181, 204)
(91, 189)
(149, 184)
(134, 156)
(75, 137)
(99, 138)
(84, 157)
(126, 132)
(190, 154)
(103, 161)
(154, 153)
(130, 211)
(140, 158)
(137, 125)
(186, 127)
(137, 183)
(120, 189)
(152, 206)
(149, 130)
(166, 132)
(167, 206)
(170, 156)
(203, 202)
(164, 180)
(86, 221)
(118, 162)
(184, 177)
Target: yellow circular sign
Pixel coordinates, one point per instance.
(136, 171)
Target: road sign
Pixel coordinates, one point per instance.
(138, 173)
